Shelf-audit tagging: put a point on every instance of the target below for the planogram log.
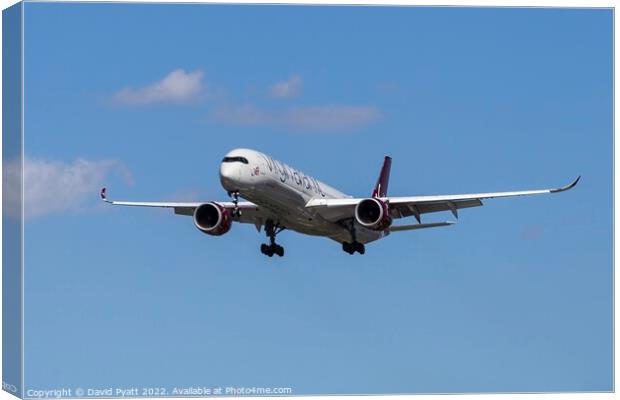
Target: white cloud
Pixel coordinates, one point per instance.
(331, 117)
(54, 186)
(176, 87)
(287, 89)
(310, 118)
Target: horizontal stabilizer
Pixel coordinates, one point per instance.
(396, 228)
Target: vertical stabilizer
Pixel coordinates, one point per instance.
(384, 178)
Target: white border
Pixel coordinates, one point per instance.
(475, 3)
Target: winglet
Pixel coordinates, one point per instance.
(384, 178)
(567, 187)
(104, 195)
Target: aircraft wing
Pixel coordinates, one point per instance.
(339, 209)
(250, 212)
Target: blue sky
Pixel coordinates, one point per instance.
(148, 98)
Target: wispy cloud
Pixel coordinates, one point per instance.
(287, 89)
(176, 87)
(532, 232)
(55, 186)
(310, 118)
(182, 87)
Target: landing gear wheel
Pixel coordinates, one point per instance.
(264, 249)
(279, 250)
(359, 247)
(348, 247)
(272, 248)
(353, 247)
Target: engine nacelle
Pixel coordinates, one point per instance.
(373, 214)
(212, 219)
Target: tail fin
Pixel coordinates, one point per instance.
(384, 178)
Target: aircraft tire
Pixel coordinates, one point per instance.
(348, 247)
(279, 250)
(360, 248)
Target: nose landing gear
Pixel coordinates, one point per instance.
(272, 248)
(236, 212)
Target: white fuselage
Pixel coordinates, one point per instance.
(284, 192)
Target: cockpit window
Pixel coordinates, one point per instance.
(235, 159)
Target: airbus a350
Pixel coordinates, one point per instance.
(281, 197)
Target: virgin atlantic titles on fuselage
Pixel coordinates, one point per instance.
(280, 197)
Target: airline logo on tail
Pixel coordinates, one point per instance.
(384, 178)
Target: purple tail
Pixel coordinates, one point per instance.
(384, 178)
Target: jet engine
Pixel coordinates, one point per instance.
(373, 214)
(212, 219)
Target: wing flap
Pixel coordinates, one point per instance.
(408, 209)
(398, 228)
(189, 211)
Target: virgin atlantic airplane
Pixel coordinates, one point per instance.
(281, 197)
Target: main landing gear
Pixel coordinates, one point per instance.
(236, 212)
(354, 245)
(272, 248)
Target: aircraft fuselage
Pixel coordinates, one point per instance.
(284, 192)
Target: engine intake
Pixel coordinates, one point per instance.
(212, 219)
(373, 214)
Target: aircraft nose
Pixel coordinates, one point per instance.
(229, 176)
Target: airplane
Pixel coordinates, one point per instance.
(281, 197)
